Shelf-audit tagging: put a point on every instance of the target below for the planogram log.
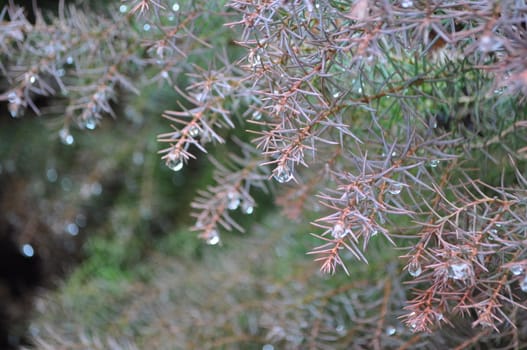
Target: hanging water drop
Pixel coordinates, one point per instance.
(489, 43)
(90, 122)
(194, 131)
(72, 229)
(414, 268)
(374, 232)
(233, 200)
(390, 330)
(175, 7)
(257, 115)
(27, 250)
(338, 231)
(65, 136)
(213, 237)
(174, 162)
(123, 8)
(459, 271)
(52, 175)
(15, 109)
(247, 207)
(146, 27)
(523, 284)
(395, 188)
(407, 4)
(282, 173)
(340, 329)
(516, 269)
(434, 163)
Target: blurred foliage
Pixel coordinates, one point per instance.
(178, 305)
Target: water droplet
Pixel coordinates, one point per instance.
(336, 94)
(489, 43)
(499, 91)
(96, 188)
(65, 136)
(171, 17)
(233, 200)
(72, 229)
(317, 5)
(434, 163)
(493, 232)
(32, 79)
(12, 97)
(146, 27)
(213, 237)
(174, 162)
(66, 184)
(52, 175)
(374, 232)
(257, 115)
(390, 330)
(247, 207)
(61, 72)
(516, 269)
(15, 109)
(194, 131)
(138, 158)
(414, 268)
(123, 8)
(267, 347)
(27, 250)
(395, 188)
(338, 231)
(407, 3)
(341, 329)
(175, 7)
(459, 271)
(523, 284)
(165, 75)
(439, 316)
(90, 122)
(283, 173)
(69, 60)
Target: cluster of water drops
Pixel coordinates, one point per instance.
(234, 201)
